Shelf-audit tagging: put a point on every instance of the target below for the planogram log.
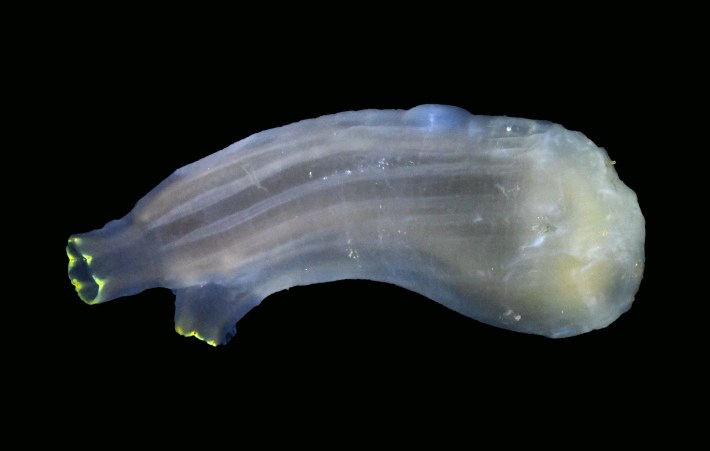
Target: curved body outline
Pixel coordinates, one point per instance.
(517, 223)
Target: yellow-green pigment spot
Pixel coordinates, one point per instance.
(72, 259)
(100, 282)
(88, 286)
(194, 333)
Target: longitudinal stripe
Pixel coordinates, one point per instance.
(251, 169)
(342, 167)
(229, 210)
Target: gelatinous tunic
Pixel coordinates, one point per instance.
(517, 223)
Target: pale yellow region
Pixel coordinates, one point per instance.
(592, 279)
(578, 283)
(572, 265)
(638, 269)
(588, 218)
(583, 269)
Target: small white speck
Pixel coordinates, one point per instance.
(517, 317)
(325, 177)
(348, 172)
(310, 174)
(352, 253)
(508, 128)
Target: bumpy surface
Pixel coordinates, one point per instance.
(517, 223)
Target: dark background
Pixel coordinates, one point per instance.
(121, 121)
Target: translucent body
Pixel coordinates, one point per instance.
(517, 223)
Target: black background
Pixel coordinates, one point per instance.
(123, 120)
